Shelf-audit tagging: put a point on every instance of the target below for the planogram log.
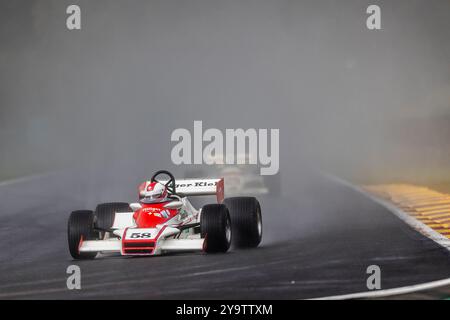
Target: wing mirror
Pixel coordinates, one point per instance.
(135, 206)
(174, 205)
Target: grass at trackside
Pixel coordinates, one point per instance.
(13, 175)
(10, 171)
(7, 177)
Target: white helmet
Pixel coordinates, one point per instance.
(155, 191)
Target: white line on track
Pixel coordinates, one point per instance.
(390, 292)
(416, 224)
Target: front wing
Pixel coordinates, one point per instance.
(159, 242)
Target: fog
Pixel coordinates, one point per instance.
(367, 105)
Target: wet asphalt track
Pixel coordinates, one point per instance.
(318, 241)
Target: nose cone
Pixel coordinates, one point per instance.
(152, 215)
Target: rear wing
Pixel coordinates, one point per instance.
(196, 187)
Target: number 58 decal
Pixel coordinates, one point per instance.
(139, 235)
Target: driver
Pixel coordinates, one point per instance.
(154, 192)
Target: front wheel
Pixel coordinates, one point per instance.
(80, 228)
(215, 226)
(246, 221)
(106, 212)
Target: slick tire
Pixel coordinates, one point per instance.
(106, 212)
(246, 221)
(81, 227)
(215, 226)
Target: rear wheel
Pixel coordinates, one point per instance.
(106, 212)
(215, 226)
(80, 228)
(246, 221)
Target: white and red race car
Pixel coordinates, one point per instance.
(165, 221)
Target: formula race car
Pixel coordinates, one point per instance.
(164, 221)
(241, 179)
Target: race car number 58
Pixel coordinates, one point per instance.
(139, 235)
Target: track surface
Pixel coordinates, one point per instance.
(318, 241)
